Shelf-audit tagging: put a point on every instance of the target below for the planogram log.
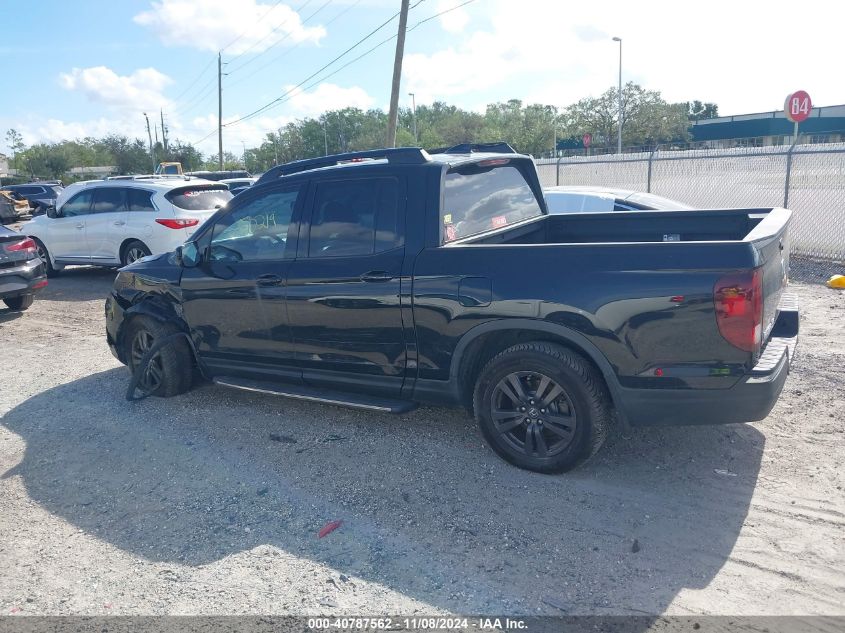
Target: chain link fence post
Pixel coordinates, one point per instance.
(650, 159)
(557, 171)
(788, 172)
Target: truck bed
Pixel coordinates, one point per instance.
(718, 225)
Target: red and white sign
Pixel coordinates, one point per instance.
(588, 139)
(798, 106)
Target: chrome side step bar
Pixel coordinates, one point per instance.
(323, 396)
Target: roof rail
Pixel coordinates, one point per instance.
(152, 177)
(470, 148)
(397, 155)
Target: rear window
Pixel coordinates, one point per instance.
(479, 198)
(199, 198)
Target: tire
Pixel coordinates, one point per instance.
(557, 437)
(171, 367)
(20, 303)
(45, 258)
(134, 251)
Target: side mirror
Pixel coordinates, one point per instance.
(52, 213)
(188, 255)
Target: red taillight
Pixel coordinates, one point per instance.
(739, 308)
(24, 246)
(39, 284)
(174, 223)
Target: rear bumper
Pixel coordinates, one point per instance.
(24, 279)
(749, 400)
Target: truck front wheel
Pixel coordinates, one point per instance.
(542, 407)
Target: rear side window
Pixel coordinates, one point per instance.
(140, 200)
(199, 198)
(479, 198)
(109, 200)
(355, 217)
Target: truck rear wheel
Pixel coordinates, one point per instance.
(542, 407)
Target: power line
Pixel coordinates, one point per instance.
(239, 55)
(370, 50)
(292, 48)
(343, 54)
(196, 79)
(197, 98)
(242, 33)
(288, 95)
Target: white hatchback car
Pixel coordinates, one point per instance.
(115, 222)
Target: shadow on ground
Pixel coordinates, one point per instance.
(79, 283)
(428, 510)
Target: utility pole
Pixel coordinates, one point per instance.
(163, 133)
(150, 136)
(220, 110)
(619, 140)
(414, 113)
(397, 75)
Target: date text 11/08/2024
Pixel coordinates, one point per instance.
(417, 623)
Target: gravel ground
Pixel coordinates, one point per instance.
(210, 503)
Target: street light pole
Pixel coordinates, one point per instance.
(414, 114)
(243, 143)
(619, 140)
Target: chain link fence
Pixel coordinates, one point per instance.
(809, 179)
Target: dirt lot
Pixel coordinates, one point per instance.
(211, 502)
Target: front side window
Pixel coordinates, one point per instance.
(355, 217)
(200, 198)
(80, 204)
(257, 230)
(481, 197)
(140, 200)
(109, 200)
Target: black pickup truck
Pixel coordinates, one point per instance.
(387, 278)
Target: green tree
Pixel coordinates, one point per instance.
(697, 110)
(647, 118)
(15, 141)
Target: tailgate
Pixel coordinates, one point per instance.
(770, 239)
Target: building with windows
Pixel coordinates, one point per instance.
(825, 125)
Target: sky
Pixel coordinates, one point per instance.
(93, 67)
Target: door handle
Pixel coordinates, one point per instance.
(376, 276)
(119, 223)
(269, 280)
(80, 226)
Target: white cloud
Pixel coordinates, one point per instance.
(327, 97)
(138, 91)
(212, 25)
(453, 20)
(198, 130)
(558, 52)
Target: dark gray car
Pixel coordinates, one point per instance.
(40, 195)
